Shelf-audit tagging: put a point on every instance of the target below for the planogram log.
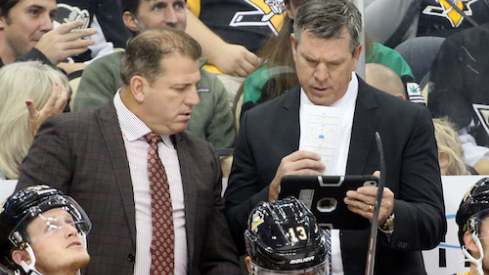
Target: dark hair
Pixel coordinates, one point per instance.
(130, 6)
(145, 51)
(6, 6)
(326, 19)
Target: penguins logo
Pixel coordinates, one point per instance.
(67, 13)
(268, 13)
(446, 10)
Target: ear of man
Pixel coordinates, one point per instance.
(131, 21)
(293, 43)
(3, 22)
(138, 88)
(20, 256)
(248, 263)
(470, 244)
(356, 56)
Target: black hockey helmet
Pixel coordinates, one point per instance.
(18, 210)
(473, 208)
(283, 235)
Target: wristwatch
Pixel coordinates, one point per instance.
(389, 223)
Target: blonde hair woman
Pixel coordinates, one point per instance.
(450, 152)
(25, 87)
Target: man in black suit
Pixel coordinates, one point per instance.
(326, 47)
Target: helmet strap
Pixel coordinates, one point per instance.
(84, 239)
(84, 243)
(31, 269)
(253, 268)
(471, 259)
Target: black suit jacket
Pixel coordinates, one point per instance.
(83, 155)
(270, 132)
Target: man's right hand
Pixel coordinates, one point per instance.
(64, 41)
(302, 163)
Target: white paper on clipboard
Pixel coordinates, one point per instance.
(320, 134)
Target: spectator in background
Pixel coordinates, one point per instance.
(212, 119)
(26, 33)
(384, 79)
(43, 232)
(276, 72)
(283, 237)
(459, 89)
(103, 15)
(231, 32)
(387, 80)
(450, 151)
(404, 19)
(40, 87)
(473, 227)
(112, 159)
(412, 212)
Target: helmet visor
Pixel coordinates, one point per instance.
(320, 269)
(75, 217)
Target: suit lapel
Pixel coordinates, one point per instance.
(111, 132)
(288, 121)
(187, 169)
(365, 122)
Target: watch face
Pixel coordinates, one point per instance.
(389, 223)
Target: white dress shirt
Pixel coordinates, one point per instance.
(346, 107)
(133, 131)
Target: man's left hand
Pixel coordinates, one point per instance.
(362, 202)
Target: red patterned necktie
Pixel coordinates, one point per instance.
(162, 243)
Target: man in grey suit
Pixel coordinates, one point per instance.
(326, 47)
(99, 157)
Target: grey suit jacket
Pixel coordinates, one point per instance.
(270, 132)
(83, 155)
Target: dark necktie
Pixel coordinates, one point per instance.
(162, 243)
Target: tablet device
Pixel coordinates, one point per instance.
(324, 195)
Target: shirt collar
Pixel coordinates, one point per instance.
(132, 127)
(346, 100)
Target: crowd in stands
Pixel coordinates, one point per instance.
(111, 102)
(26, 87)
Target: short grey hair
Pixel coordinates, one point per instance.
(327, 18)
